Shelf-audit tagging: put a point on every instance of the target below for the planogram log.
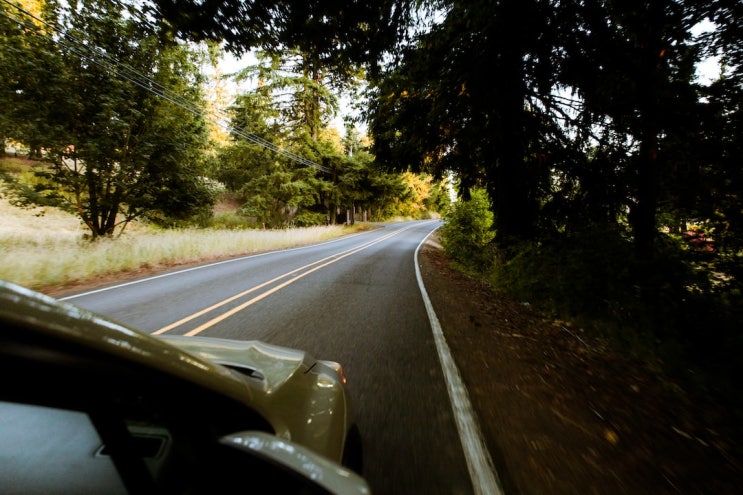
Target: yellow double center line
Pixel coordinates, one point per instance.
(319, 264)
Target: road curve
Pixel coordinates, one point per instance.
(358, 300)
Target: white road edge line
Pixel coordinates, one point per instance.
(482, 471)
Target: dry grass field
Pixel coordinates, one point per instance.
(45, 248)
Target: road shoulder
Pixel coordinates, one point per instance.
(561, 411)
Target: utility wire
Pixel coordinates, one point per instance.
(125, 72)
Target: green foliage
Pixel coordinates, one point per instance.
(29, 190)
(309, 219)
(340, 38)
(230, 220)
(666, 310)
(277, 193)
(439, 200)
(279, 197)
(115, 151)
(581, 274)
(25, 187)
(468, 232)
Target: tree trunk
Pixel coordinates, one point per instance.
(508, 185)
(643, 218)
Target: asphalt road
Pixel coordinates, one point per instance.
(356, 300)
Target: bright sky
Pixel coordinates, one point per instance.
(709, 69)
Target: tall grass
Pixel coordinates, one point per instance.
(44, 251)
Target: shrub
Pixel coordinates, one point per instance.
(584, 273)
(468, 231)
(231, 220)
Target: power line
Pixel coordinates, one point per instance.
(123, 71)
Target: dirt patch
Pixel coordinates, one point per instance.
(228, 204)
(564, 413)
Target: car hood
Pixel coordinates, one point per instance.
(298, 394)
(302, 398)
(43, 315)
(268, 366)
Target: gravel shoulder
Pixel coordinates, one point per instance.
(564, 413)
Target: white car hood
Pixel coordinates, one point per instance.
(271, 364)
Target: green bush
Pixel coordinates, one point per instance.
(309, 219)
(665, 309)
(231, 220)
(580, 274)
(468, 232)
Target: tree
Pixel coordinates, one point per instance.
(117, 150)
(644, 89)
(283, 197)
(719, 173)
(303, 93)
(438, 111)
(290, 108)
(260, 164)
(329, 41)
(29, 88)
(336, 34)
(468, 232)
(253, 122)
(581, 108)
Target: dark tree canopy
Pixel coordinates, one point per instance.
(614, 174)
(337, 32)
(459, 101)
(569, 113)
